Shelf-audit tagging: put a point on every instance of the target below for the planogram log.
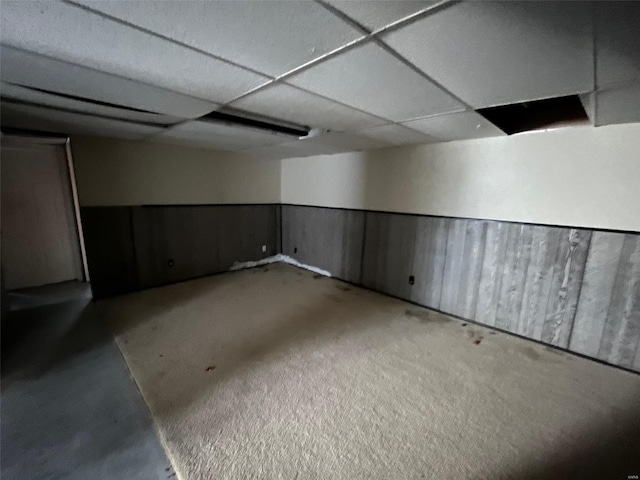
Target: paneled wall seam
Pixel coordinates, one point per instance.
(575, 312)
(364, 240)
(606, 316)
(133, 243)
(446, 254)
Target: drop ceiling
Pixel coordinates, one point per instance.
(358, 74)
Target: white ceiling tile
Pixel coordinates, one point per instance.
(291, 150)
(271, 37)
(46, 120)
(371, 79)
(37, 71)
(494, 53)
(617, 42)
(456, 126)
(377, 14)
(219, 135)
(74, 35)
(324, 144)
(291, 104)
(345, 142)
(36, 97)
(619, 105)
(396, 135)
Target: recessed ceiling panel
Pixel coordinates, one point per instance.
(324, 144)
(396, 135)
(290, 150)
(456, 126)
(288, 103)
(37, 71)
(47, 120)
(74, 35)
(537, 115)
(377, 14)
(219, 135)
(617, 42)
(494, 53)
(371, 79)
(35, 97)
(271, 37)
(347, 142)
(619, 105)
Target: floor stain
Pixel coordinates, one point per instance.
(343, 288)
(208, 369)
(554, 351)
(317, 276)
(530, 353)
(425, 316)
(478, 340)
(333, 298)
(491, 332)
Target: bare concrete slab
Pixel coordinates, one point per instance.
(70, 409)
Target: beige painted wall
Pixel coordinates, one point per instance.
(580, 176)
(123, 172)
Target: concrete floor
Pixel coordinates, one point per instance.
(48, 295)
(70, 409)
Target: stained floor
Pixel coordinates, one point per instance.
(70, 409)
(279, 373)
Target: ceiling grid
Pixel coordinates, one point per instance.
(359, 74)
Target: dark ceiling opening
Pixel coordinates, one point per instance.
(537, 115)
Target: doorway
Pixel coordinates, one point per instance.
(42, 242)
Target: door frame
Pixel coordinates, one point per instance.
(17, 139)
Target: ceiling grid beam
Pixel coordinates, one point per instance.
(375, 36)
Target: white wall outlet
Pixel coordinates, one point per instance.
(264, 248)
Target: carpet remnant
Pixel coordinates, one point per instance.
(309, 387)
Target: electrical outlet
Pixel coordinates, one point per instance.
(412, 280)
(264, 248)
(170, 262)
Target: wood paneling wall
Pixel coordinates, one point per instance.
(131, 248)
(573, 288)
(108, 237)
(325, 238)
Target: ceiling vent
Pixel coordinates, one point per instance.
(244, 119)
(537, 115)
(80, 99)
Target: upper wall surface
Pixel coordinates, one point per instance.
(118, 172)
(580, 176)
